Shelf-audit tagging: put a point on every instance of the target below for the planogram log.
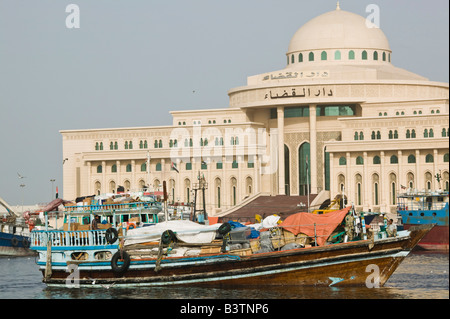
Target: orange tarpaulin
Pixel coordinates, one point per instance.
(325, 224)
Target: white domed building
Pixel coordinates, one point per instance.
(340, 117)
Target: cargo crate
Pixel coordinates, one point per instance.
(241, 252)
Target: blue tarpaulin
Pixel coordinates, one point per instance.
(254, 232)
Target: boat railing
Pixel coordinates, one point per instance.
(58, 238)
(138, 206)
(420, 205)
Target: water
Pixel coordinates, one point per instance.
(422, 275)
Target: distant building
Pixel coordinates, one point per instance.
(340, 117)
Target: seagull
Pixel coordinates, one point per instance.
(20, 176)
(66, 159)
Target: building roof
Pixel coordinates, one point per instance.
(338, 29)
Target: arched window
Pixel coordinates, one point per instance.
(431, 134)
(364, 55)
(292, 59)
(143, 167)
(337, 55)
(376, 160)
(300, 57)
(375, 55)
(156, 143)
(160, 144)
(373, 135)
(394, 159)
(361, 136)
(126, 145)
(378, 135)
(390, 135)
(395, 134)
(444, 132)
(114, 168)
(99, 169)
(323, 56)
(359, 160)
(384, 56)
(304, 174)
(356, 136)
(351, 55)
(158, 167)
(425, 133)
(311, 56)
(116, 145)
(411, 159)
(446, 158)
(413, 133)
(128, 168)
(111, 146)
(342, 161)
(429, 158)
(96, 146)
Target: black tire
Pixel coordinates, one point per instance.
(224, 229)
(119, 270)
(26, 242)
(168, 236)
(111, 235)
(14, 241)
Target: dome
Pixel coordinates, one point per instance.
(338, 29)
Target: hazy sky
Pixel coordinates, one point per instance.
(133, 61)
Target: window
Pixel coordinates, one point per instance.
(373, 135)
(250, 165)
(143, 167)
(425, 133)
(376, 160)
(375, 55)
(446, 158)
(413, 133)
(376, 194)
(292, 58)
(361, 136)
(384, 56)
(342, 161)
(311, 56)
(378, 135)
(411, 159)
(444, 132)
(394, 159)
(337, 55)
(359, 160)
(323, 56)
(364, 55)
(116, 145)
(189, 166)
(114, 168)
(204, 165)
(111, 146)
(234, 164)
(395, 134)
(219, 165)
(128, 169)
(99, 169)
(356, 136)
(390, 135)
(160, 144)
(158, 167)
(429, 159)
(359, 194)
(431, 134)
(351, 55)
(300, 57)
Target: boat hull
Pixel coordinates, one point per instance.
(437, 239)
(12, 245)
(359, 263)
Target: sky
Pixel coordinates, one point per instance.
(131, 62)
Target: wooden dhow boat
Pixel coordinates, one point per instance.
(328, 250)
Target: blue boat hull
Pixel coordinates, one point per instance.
(15, 245)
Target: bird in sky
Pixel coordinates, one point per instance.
(20, 176)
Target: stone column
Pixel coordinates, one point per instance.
(281, 177)
(313, 147)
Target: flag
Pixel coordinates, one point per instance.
(56, 192)
(403, 187)
(174, 167)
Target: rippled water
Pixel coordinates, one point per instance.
(422, 275)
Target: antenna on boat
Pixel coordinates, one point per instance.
(166, 213)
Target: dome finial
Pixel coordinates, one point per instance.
(337, 6)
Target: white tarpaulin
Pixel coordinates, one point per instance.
(185, 230)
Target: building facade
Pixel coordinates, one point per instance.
(340, 117)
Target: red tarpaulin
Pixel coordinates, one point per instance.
(325, 224)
